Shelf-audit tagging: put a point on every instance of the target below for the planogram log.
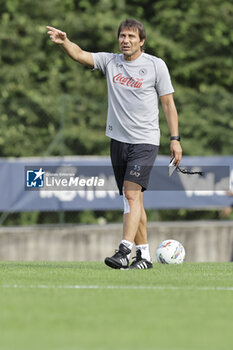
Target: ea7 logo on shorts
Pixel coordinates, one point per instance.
(35, 178)
(136, 171)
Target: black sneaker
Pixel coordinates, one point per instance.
(119, 260)
(140, 263)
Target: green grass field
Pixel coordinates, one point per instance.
(88, 306)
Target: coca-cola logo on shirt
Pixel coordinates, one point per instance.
(131, 82)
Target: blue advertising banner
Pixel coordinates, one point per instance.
(86, 183)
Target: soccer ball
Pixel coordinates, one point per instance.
(170, 252)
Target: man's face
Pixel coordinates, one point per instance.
(130, 44)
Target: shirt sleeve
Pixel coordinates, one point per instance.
(163, 82)
(101, 60)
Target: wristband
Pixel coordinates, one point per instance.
(177, 138)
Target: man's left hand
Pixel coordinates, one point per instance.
(176, 151)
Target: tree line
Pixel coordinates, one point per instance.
(47, 99)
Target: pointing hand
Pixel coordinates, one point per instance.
(56, 35)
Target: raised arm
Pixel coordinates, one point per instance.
(170, 112)
(73, 50)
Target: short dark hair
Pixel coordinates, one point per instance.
(133, 23)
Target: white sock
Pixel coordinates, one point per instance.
(144, 248)
(128, 244)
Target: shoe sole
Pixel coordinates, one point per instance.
(113, 264)
(138, 268)
(141, 268)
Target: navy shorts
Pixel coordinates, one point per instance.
(132, 162)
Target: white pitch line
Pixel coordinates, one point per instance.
(47, 286)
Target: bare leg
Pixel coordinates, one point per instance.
(141, 235)
(134, 230)
(131, 221)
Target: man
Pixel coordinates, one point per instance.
(135, 81)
